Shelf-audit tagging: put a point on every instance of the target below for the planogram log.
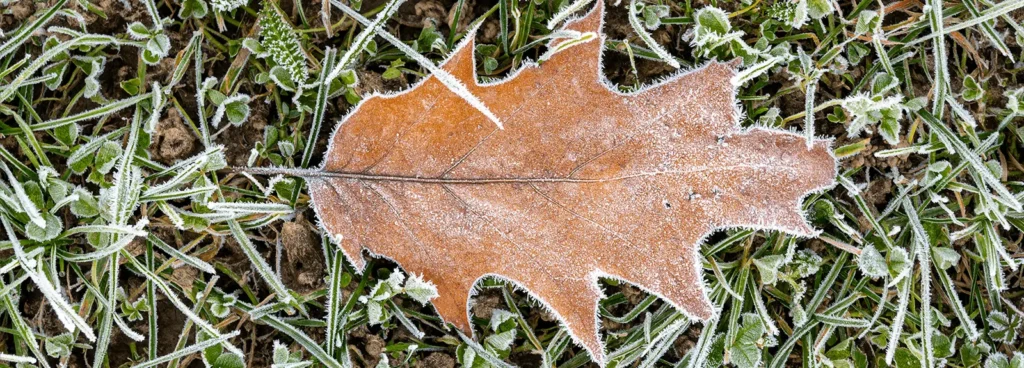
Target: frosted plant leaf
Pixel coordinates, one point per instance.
(768, 267)
(59, 346)
(281, 354)
(420, 290)
(872, 263)
(287, 148)
(899, 263)
(818, 9)
(712, 23)
(22, 200)
(1015, 101)
(569, 191)
(282, 77)
(381, 293)
(93, 70)
(937, 171)
(254, 46)
(867, 22)
(221, 305)
(282, 358)
(503, 325)
(157, 47)
(946, 257)
(226, 5)
(712, 30)
(501, 340)
(638, 29)
(1000, 360)
(806, 263)
(800, 13)
(234, 108)
(375, 312)
(193, 9)
(395, 280)
(745, 351)
(53, 228)
(500, 317)
(85, 206)
(868, 111)
(791, 13)
(281, 43)
(972, 90)
(138, 31)
(652, 15)
(1002, 327)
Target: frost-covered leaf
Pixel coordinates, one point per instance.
(872, 263)
(806, 263)
(791, 13)
(503, 324)
(867, 21)
(768, 267)
(1003, 327)
(92, 67)
(376, 313)
(944, 346)
(839, 352)
(904, 358)
(138, 31)
(586, 183)
(713, 32)
(818, 9)
(652, 15)
(59, 346)
(945, 257)
(1015, 101)
(53, 227)
(937, 171)
(745, 351)
(972, 90)
(282, 78)
(420, 290)
(871, 110)
(1000, 360)
(228, 360)
(972, 353)
(67, 134)
(384, 362)
(899, 263)
(133, 311)
(193, 9)
(157, 47)
(227, 5)
(281, 43)
(221, 305)
(281, 353)
(234, 108)
(106, 156)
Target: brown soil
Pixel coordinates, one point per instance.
(172, 140)
(302, 266)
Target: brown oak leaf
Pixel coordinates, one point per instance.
(583, 182)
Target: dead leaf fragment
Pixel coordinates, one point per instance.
(583, 182)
